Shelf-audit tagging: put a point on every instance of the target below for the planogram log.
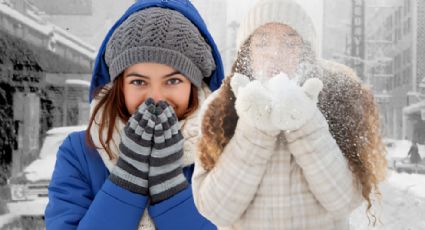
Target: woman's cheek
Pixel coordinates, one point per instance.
(133, 99)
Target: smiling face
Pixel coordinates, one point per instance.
(275, 48)
(156, 81)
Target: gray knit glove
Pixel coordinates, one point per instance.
(131, 170)
(165, 167)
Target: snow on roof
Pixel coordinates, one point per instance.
(6, 10)
(80, 47)
(77, 82)
(414, 108)
(66, 129)
(73, 38)
(50, 30)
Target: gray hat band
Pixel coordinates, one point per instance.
(157, 55)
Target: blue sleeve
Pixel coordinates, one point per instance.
(179, 211)
(73, 205)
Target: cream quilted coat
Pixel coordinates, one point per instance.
(299, 180)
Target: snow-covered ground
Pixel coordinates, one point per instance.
(402, 205)
(7, 218)
(410, 183)
(400, 148)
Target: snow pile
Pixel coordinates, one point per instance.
(402, 206)
(42, 168)
(398, 149)
(409, 183)
(8, 218)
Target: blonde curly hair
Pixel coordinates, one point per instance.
(346, 103)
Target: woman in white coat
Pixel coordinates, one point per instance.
(270, 158)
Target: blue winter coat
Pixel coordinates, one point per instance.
(80, 193)
(81, 196)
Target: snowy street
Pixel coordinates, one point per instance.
(403, 204)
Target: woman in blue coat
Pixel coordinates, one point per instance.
(132, 167)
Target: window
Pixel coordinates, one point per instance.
(399, 33)
(388, 69)
(397, 63)
(409, 25)
(406, 7)
(398, 16)
(409, 55)
(389, 84)
(409, 75)
(405, 56)
(405, 28)
(396, 80)
(405, 76)
(389, 23)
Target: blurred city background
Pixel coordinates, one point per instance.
(47, 52)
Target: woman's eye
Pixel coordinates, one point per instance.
(260, 44)
(138, 82)
(174, 81)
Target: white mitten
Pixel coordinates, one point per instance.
(238, 81)
(253, 102)
(293, 106)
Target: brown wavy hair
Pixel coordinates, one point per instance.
(111, 105)
(346, 103)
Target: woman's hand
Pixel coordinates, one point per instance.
(293, 105)
(132, 168)
(276, 104)
(165, 166)
(253, 103)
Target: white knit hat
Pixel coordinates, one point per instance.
(281, 11)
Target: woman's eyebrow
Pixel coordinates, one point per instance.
(172, 74)
(292, 34)
(136, 75)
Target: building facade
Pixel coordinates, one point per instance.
(395, 56)
(89, 20)
(37, 60)
(336, 29)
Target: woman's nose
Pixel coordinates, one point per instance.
(157, 95)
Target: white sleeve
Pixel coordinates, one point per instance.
(223, 194)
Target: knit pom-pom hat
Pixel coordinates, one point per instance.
(279, 11)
